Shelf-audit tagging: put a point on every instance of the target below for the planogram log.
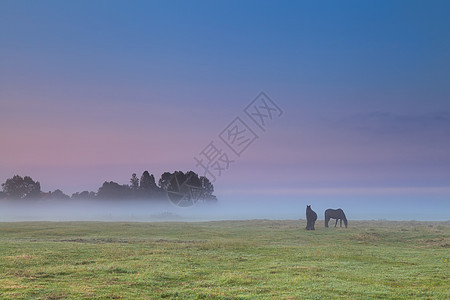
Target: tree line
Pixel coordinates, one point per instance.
(176, 184)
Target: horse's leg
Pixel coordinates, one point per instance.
(340, 222)
(335, 224)
(326, 221)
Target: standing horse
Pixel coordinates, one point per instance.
(337, 214)
(311, 218)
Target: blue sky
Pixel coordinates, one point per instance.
(96, 90)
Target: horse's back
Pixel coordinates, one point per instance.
(334, 212)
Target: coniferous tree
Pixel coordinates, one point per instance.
(134, 182)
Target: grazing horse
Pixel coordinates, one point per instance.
(337, 214)
(311, 218)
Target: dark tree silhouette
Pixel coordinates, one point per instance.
(113, 190)
(184, 189)
(84, 195)
(147, 182)
(21, 188)
(165, 179)
(134, 182)
(58, 194)
(208, 189)
(148, 188)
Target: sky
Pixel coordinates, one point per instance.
(93, 91)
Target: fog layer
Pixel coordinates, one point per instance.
(231, 208)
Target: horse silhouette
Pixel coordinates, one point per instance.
(337, 214)
(311, 218)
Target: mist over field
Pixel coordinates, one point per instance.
(228, 208)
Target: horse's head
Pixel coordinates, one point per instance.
(345, 219)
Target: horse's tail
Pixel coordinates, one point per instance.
(327, 218)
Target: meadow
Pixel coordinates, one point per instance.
(253, 259)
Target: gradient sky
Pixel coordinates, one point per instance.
(97, 90)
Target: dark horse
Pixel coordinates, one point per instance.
(311, 218)
(337, 214)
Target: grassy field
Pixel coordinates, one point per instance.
(232, 260)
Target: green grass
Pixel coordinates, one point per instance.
(224, 260)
